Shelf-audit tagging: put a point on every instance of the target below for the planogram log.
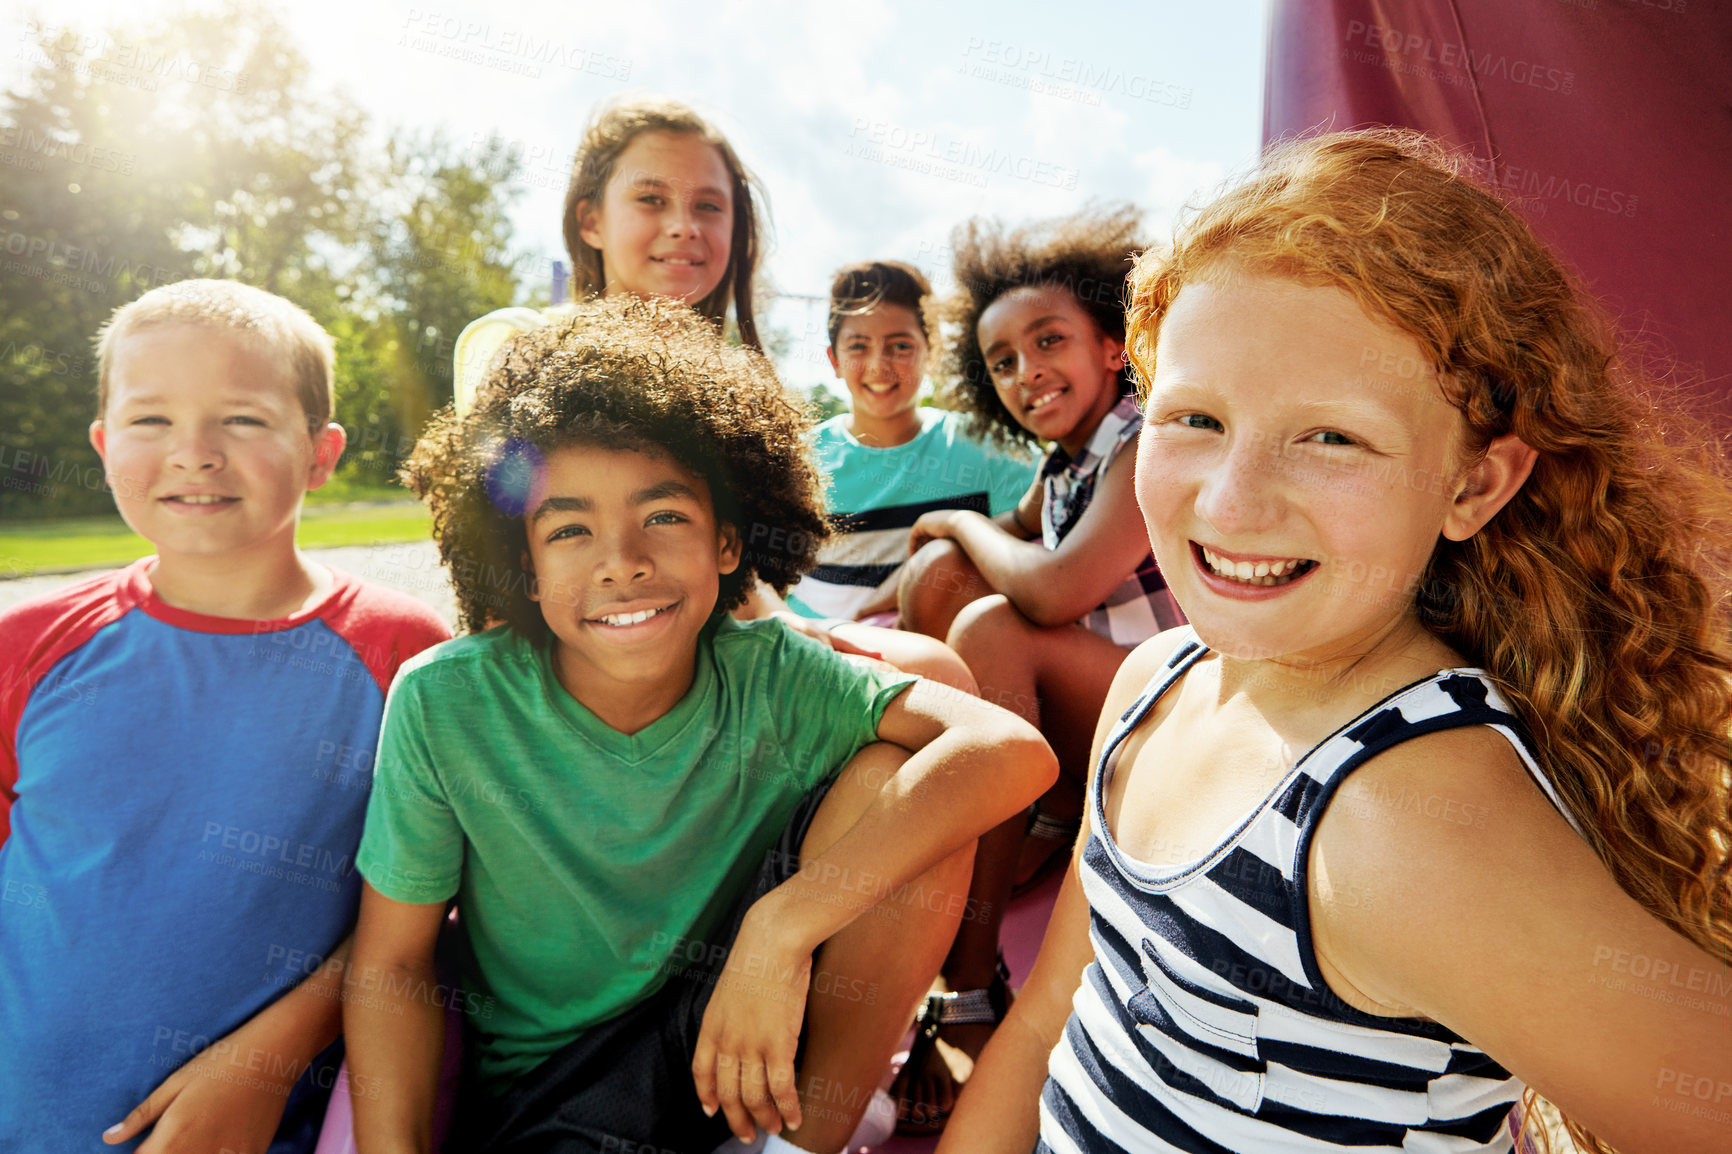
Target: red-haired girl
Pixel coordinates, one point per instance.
(1428, 806)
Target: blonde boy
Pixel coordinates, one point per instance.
(177, 833)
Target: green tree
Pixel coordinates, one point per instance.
(200, 146)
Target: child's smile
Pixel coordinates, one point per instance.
(1274, 467)
(881, 356)
(665, 222)
(205, 442)
(627, 556)
(1053, 368)
(1241, 575)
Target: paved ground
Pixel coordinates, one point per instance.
(413, 568)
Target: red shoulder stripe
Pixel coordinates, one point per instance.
(35, 635)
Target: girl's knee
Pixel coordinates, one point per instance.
(934, 580)
(986, 623)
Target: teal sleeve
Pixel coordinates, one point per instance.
(838, 705)
(412, 847)
(1012, 477)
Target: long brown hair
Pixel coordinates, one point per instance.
(1599, 597)
(611, 129)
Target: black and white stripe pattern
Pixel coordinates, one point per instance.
(1204, 1025)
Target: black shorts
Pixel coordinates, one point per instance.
(625, 1085)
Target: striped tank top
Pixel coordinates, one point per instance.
(1203, 1024)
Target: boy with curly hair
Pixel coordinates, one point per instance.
(661, 826)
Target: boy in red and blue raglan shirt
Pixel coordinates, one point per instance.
(179, 744)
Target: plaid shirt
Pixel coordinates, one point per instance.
(1141, 606)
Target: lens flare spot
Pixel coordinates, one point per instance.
(515, 477)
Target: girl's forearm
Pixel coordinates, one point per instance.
(1013, 566)
(999, 1111)
(395, 1031)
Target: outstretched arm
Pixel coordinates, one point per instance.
(1485, 912)
(763, 601)
(999, 1111)
(1055, 587)
(231, 1096)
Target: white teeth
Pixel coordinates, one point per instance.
(629, 618)
(199, 499)
(1042, 401)
(1253, 572)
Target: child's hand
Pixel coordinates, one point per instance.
(744, 1060)
(817, 632)
(930, 527)
(221, 1101)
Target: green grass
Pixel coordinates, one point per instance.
(96, 542)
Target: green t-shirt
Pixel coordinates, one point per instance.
(587, 863)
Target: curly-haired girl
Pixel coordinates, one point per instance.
(661, 826)
(1042, 602)
(1430, 801)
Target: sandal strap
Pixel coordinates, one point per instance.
(1049, 828)
(961, 1008)
(969, 1007)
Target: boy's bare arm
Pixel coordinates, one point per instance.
(395, 1028)
(1055, 586)
(232, 1095)
(973, 766)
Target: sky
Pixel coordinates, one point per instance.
(876, 126)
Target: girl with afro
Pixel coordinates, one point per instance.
(1044, 602)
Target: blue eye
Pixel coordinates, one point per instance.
(1338, 438)
(1199, 421)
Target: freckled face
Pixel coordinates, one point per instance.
(1292, 491)
(666, 219)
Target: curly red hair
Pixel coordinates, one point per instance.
(1598, 598)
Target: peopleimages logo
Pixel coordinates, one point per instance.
(1414, 54)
